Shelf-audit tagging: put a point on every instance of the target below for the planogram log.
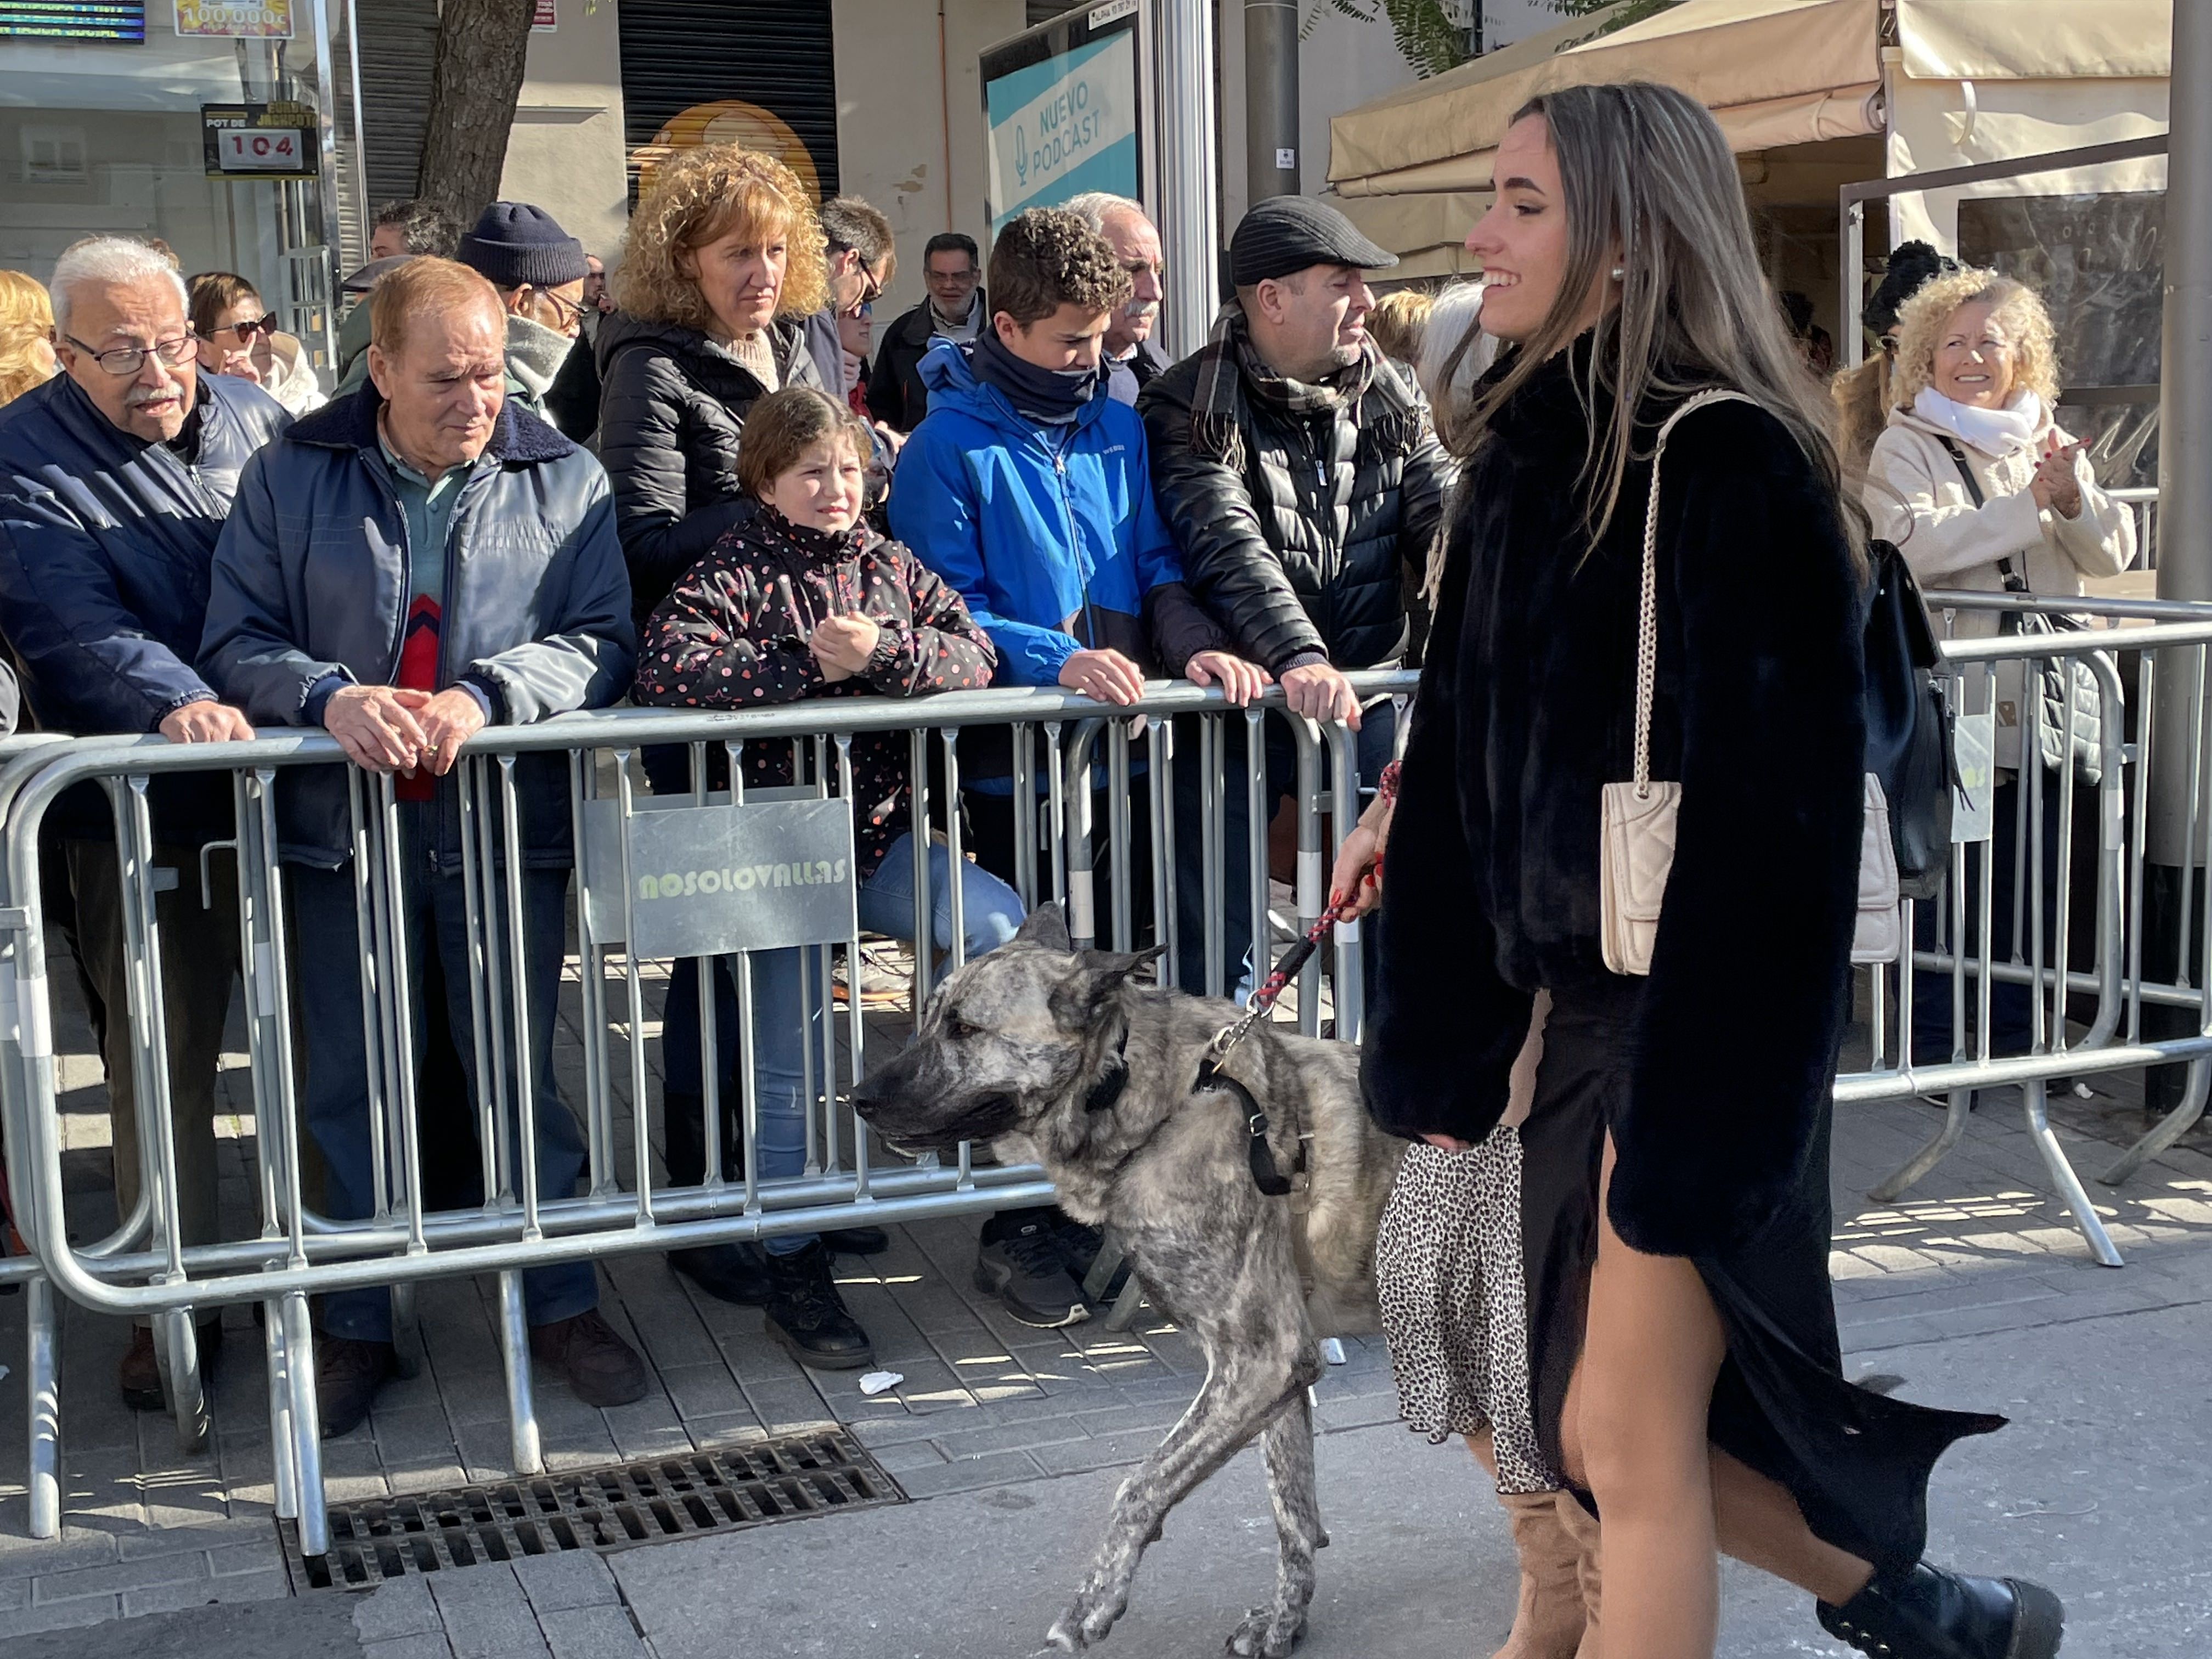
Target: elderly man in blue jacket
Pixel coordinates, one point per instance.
(1026, 488)
(410, 563)
(114, 479)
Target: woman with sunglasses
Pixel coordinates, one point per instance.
(239, 336)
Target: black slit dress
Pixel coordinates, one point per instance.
(1714, 1076)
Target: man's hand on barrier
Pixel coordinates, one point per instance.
(374, 726)
(1102, 675)
(206, 721)
(447, 720)
(1240, 681)
(842, 645)
(1321, 693)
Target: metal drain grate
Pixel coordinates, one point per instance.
(648, 1501)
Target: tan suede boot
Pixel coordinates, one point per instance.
(1580, 1525)
(1547, 1624)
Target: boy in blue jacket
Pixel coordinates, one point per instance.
(1026, 487)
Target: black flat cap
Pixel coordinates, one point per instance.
(1285, 234)
(374, 272)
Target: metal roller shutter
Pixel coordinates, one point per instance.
(678, 55)
(398, 49)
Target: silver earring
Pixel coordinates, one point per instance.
(1619, 273)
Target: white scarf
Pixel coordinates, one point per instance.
(1995, 431)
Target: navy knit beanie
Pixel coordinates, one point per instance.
(514, 243)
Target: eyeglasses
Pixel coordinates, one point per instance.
(246, 327)
(128, 360)
(570, 313)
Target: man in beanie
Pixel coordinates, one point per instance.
(538, 270)
(1298, 469)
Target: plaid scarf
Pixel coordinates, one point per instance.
(1228, 367)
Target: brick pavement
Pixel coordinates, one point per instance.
(1981, 1246)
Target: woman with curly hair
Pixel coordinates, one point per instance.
(724, 262)
(1980, 487)
(26, 335)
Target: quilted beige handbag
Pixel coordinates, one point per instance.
(1637, 833)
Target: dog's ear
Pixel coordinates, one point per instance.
(1077, 1001)
(1046, 925)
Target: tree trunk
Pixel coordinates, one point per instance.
(482, 45)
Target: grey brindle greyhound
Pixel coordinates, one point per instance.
(1062, 1057)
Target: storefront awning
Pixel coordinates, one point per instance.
(1773, 72)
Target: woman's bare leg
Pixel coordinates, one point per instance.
(1761, 1526)
(1634, 1434)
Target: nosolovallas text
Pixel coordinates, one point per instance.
(743, 879)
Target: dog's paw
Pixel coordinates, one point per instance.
(1090, 1617)
(1265, 1633)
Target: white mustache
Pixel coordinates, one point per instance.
(1140, 308)
(141, 394)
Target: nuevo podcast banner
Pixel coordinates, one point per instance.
(1063, 126)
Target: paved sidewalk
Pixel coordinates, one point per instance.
(1977, 1289)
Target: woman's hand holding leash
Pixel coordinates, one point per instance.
(1355, 884)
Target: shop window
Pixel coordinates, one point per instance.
(53, 154)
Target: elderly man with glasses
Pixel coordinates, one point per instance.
(115, 477)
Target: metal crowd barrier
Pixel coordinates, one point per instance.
(657, 876)
(1102, 784)
(2077, 935)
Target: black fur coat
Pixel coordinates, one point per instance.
(1527, 707)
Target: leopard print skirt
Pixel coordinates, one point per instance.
(1454, 1302)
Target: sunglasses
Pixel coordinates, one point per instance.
(246, 327)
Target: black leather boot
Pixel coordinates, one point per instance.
(1930, 1614)
(806, 1314)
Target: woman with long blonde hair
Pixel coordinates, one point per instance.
(26, 335)
(1684, 1371)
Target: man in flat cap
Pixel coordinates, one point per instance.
(1298, 471)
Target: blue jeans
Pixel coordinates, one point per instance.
(337, 1053)
(782, 1025)
(1375, 742)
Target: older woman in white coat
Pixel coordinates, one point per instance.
(1972, 473)
(1981, 490)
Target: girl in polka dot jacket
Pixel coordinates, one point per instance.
(803, 599)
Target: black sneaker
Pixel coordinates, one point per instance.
(728, 1273)
(1028, 1271)
(348, 1374)
(809, 1318)
(1079, 1246)
(1928, 1613)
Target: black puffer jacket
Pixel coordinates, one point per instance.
(1527, 709)
(671, 405)
(1299, 550)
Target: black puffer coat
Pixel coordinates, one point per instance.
(1527, 709)
(671, 405)
(1300, 549)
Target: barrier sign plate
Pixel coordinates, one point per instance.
(705, 880)
(1974, 742)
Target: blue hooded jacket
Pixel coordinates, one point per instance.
(1048, 532)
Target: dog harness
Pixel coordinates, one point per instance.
(1266, 1175)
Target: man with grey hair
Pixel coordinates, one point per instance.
(1127, 352)
(862, 253)
(115, 477)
